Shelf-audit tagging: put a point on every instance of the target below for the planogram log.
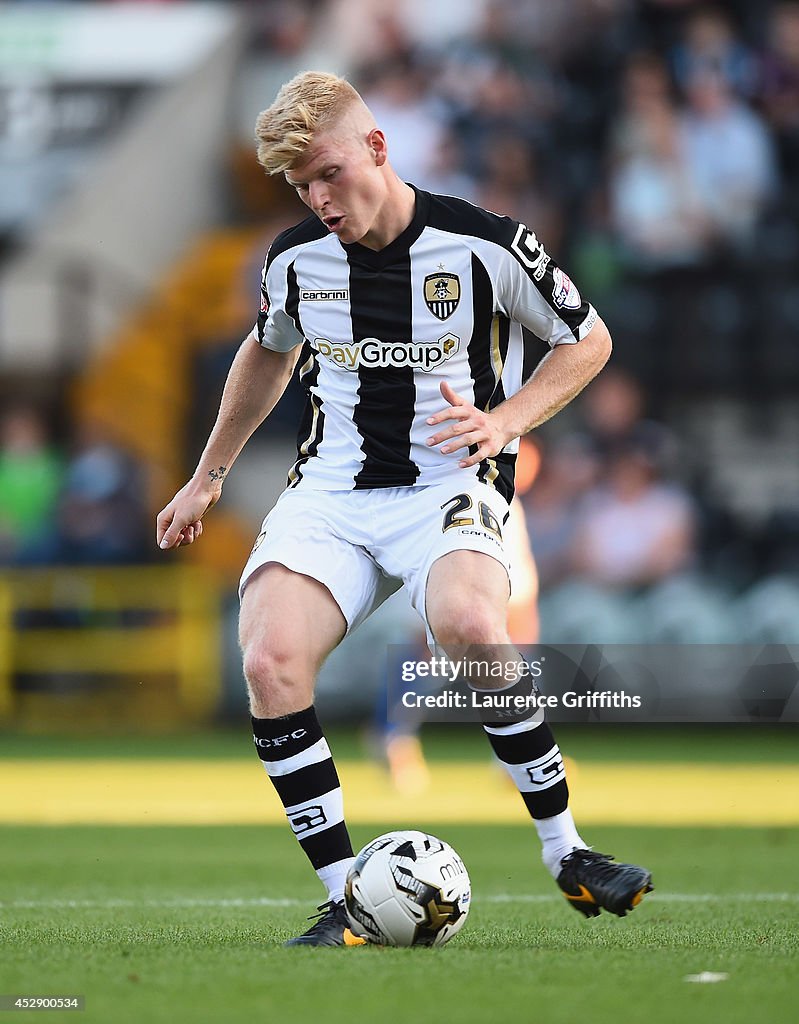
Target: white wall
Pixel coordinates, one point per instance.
(146, 197)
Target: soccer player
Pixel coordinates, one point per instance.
(417, 323)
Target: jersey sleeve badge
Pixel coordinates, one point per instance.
(564, 291)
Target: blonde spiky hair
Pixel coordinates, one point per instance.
(309, 102)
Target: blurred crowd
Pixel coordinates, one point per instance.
(603, 501)
(653, 146)
(82, 504)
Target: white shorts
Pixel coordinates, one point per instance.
(364, 545)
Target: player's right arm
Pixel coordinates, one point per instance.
(258, 377)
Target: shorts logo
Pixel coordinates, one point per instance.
(306, 818)
(329, 295)
(419, 355)
(564, 291)
(442, 293)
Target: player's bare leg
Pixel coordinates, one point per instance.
(467, 599)
(466, 603)
(289, 624)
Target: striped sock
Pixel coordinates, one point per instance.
(297, 759)
(528, 752)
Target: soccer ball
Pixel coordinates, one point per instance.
(407, 888)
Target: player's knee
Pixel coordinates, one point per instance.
(273, 669)
(461, 625)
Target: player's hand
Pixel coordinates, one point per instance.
(180, 522)
(469, 426)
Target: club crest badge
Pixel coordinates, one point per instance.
(442, 293)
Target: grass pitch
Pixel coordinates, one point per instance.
(165, 924)
(174, 924)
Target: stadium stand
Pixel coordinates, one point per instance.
(127, 321)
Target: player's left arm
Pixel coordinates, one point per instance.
(559, 377)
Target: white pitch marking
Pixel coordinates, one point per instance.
(664, 897)
(706, 977)
(265, 901)
(169, 904)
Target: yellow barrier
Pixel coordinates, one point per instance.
(137, 646)
(6, 668)
(192, 791)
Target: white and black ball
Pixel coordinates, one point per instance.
(407, 888)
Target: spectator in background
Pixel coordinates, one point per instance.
(655, 205)
(644, 90)
(100, 518)
(380, 29)
(565, 471)
(505, 102)
(102, 515)
(511, 183)
(709, 44)
(644, 87)
(613, 411)
(779, 88)
(730, 158)
(30, 477)
(631, 527)
(450, 173)
(496, 81)
(282, 27)
(634, 529)
(397, 97)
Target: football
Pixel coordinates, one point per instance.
(407, 888)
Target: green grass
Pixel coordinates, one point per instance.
(149, 938)
(590, 742)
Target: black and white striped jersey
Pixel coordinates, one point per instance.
(462, 294)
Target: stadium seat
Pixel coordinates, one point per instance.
(686, 610)
(580, 613)
(768, 613)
